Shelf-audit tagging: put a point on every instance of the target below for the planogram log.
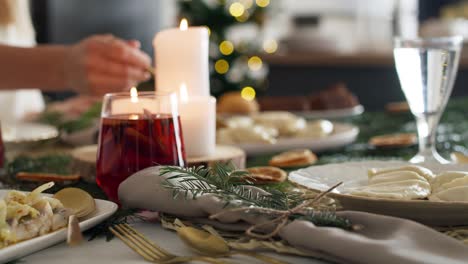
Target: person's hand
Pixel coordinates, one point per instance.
(103, 63)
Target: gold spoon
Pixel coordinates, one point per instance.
(82, 204)
(74, 235)
(211, 245)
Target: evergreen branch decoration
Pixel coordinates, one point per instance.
(223, 181)
(54, 163)
(84, 121)
(227, 183)
(326, 218)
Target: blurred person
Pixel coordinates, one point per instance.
(96, 65)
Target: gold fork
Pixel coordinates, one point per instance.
(150, 251)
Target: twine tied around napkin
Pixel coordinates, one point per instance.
(382, 239)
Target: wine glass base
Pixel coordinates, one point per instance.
(434, 157)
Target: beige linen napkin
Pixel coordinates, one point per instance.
(382, 240)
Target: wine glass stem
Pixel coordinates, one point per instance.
(427, 127)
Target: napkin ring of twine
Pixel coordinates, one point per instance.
(281, 220)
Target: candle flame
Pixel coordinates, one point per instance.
(183, 93)
(183, 24)
(134, 117)
(134, 95)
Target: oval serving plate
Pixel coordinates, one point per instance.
(27, 133)
(342, 135)
(332, 113)
(354, 174)
(104, 209)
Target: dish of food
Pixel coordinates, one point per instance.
(440, 199)
(26, 133)
(27, 215)
(33, 221)
(275, 131)
(332, 102)
(335, 101)
(332, 113)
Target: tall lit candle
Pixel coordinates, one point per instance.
(182, 67)
(181, 56)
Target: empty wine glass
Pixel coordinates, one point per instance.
(427, 69)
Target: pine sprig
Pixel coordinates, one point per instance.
(84, 121)
(326, 218)
(223, 181)
(227, 183)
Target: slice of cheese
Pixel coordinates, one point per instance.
(395, 176)
(404, 189)
(450, 186)
(424, 172)
(445, 178)
(455, 194)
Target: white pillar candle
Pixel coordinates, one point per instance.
(198, 118)
(181, 56)
(182, 66)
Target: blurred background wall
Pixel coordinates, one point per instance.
(320, 42)
(59, 21)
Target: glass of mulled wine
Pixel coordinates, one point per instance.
(138, 130)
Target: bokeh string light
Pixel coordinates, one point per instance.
(262, 3)
(255, 63)
(226, 47)
(221, 66)
(236, 9)
(270, 46)
(235, 64)
(248, 93)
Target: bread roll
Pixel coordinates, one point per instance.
(233, 103)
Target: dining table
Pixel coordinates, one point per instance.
(115, 251)
(452, 136)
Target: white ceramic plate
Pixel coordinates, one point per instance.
(18, 133)
(342, 135)
(354, 174)
(104, 209)
(332, 113)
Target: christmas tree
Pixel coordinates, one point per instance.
(234, 61)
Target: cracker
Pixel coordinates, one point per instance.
(293, 158)
(267, 174)
(393, 140)
(397, 107)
